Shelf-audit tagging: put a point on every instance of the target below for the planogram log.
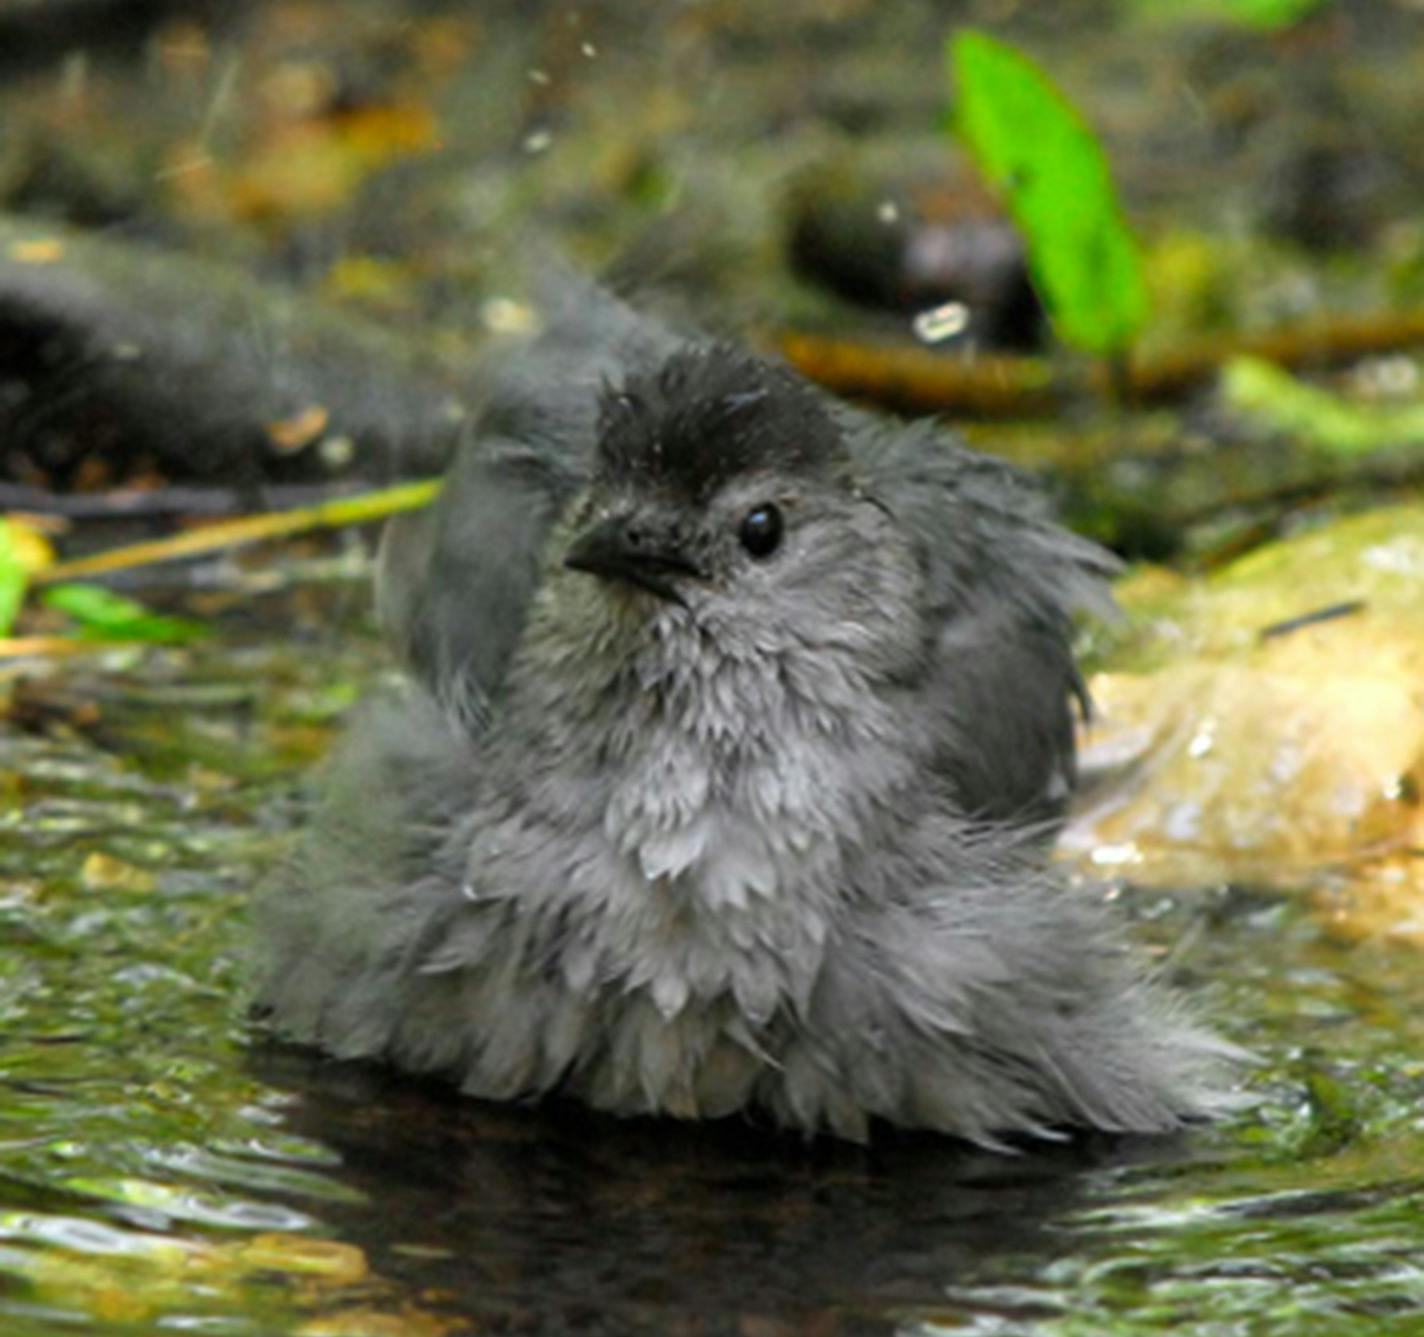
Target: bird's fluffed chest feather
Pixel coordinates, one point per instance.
(696, 848)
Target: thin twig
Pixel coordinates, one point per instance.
(226, 534)
(162, 502)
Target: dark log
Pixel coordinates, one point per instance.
(117, 360)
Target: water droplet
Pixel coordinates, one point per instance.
(941, 322)
(1391, 377)
(588, 49)
(888, 212)
(536, 141)
(1182, 822)
(503, 315)
(336, 452)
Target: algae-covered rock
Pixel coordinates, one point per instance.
(1266, 724)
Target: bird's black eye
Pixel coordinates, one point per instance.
(761, 530)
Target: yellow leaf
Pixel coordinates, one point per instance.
(29, 544)
(289, 435)
(103, 872)
(39, 251)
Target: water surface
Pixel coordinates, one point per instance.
(164, 1168)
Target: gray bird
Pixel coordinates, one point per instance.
(734, 723)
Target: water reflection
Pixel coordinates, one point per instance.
(556, 1219)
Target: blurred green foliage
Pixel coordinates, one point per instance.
(103, 615)
(1273, 400)
(1053, 176)
(13, 578)
(1265, 14)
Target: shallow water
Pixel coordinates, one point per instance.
(162, 1168)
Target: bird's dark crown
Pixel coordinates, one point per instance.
(708, 415)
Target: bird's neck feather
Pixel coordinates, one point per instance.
(718, 770)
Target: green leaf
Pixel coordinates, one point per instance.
(1318, 420)
(105, 616)
(1038, 153)
(13, 579)
(1268, 15)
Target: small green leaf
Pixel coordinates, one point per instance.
(105, 616)
(1268, 15)
(13, 578)
(1318, 420)
(1037, 151)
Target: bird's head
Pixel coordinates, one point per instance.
(724, 489)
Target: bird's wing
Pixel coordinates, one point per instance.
(454, 582)
(1002, 585)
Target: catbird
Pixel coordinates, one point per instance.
(733, 725)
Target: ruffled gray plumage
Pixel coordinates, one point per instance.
(773, 845)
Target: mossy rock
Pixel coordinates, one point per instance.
(1266, 724)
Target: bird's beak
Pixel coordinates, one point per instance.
(619, 549)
